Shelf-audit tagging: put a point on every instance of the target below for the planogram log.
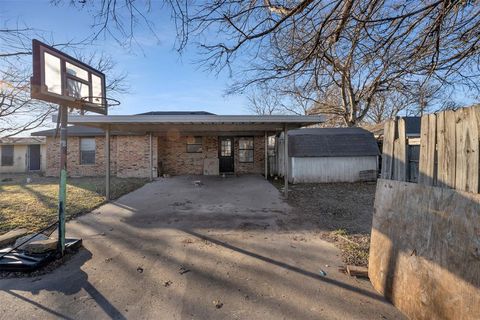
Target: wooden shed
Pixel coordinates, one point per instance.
(328, 155)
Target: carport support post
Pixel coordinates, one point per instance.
(266, 156)
(107, 163)
(62, 190)
(285, 158)
(151, 156)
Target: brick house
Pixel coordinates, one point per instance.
(175, 143)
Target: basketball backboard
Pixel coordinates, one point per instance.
(62, 79)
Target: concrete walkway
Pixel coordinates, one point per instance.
(177, 250)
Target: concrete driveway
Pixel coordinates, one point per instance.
(223, 249)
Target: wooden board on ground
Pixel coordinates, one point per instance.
(356, 271)
(11, 236)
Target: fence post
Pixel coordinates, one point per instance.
(428, 141)
(400, 152)
(388, 149)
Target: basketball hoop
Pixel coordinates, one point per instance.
(104, 102)
(70, 83)
(66, 81)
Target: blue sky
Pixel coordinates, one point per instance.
(159, 78)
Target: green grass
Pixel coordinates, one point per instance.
(34, 205)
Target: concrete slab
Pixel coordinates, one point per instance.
(177, 250)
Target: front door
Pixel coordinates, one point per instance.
(34, 157)
(225, 154)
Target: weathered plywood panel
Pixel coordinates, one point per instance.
(211, 167)
(425, 250)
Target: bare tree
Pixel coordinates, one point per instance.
(263, 102)
(357, 50)
(20, 113)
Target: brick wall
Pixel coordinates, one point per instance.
(74, 167)
(129, 156)
(133, 156)
(174, 159)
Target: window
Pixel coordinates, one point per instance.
(194, 144)
(7, 155)
(226, 148)
(87, 151)
(245, 149)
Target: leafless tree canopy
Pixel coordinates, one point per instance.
(19, 113)
(344, 56)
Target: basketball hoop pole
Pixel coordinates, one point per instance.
(62, 193)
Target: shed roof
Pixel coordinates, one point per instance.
(332, 142)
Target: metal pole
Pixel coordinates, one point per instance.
(107, 163)
(266, 156)
(62, 194)
(285, 158)
(151, 156)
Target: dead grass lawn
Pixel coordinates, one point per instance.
(34, 205)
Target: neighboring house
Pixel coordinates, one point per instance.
(19, 155)
(329, 155)
(176, 143)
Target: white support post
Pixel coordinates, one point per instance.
(266, 156)
(285, 158)
(107, 163)
(151, 156)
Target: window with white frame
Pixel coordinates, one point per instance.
(87, 150)
(245, 149)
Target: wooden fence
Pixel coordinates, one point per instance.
(449, 150)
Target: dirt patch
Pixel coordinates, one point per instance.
(355, 248)
(340, 212)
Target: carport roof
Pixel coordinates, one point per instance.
(194, 122)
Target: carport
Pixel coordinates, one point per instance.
(206, 125)
(230, 248)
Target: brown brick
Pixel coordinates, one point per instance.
(129, 156)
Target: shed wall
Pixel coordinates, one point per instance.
(330, 169)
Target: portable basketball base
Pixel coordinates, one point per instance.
(61, 79)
